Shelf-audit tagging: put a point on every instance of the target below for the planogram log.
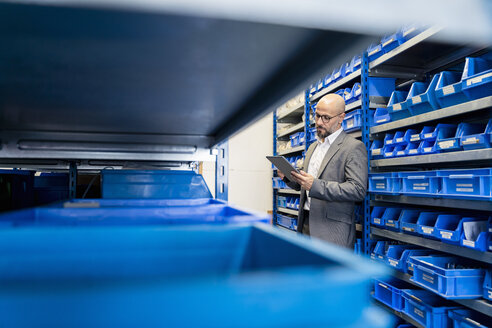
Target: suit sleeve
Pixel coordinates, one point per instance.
(355, 185)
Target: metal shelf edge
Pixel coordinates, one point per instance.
(481, 205)
(336, 85)
(287, 210)
(289, 191)
(291, 111)
(288, 131)
(290, 151)
(458, 156)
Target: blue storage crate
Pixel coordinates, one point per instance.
(427, 147)
(449, 228)
(337, 74)
(422, 98)
(344, 70)
(392, 41)
(411, 135)
(312, 89)
(426, 224)
(487, 285)
(355, 64)
(433, 273)
(379, 251)
(409, 31)
(381, 116)
(355, 93)
(389, 151)
(429, 133)
(375, 51)
(394, 256)
(311, 135)
(398, 138)
(302, 138)
(347, 96)
(377, 215)
(477, 238)
(388, 138)
(327, 81)
(407, 254)
(477, 138)
(397, 105)
(381, 87)
(341, 93)
(391, 218)
(352, 121)
(448, 137)
(420, 183)
(470, 183)
(376, 149)
(163, 277)
(294, 139)
(477, 78)
(412, 149)
(399, 151)
(426, 308)
(319, 86)
(408, 221)
(387, 183)
(465, 318)
(389, 292)
(162, 184)
(282, 201)
(449, 89)
(287, 222)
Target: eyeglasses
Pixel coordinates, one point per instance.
(324, 118)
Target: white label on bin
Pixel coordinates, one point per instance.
(416, 99)
(382, 120)
(428, 278)
(376, 151)
(337, 75)
(388, 42)
(478, 79)
(377, 221)
(418, 312)
(469, 243)
(399, 139)
(415, 137)
(380, 185)
(373, 52)
(447, 235)
(447, 90)
(390, 223)
(393, 262)
(446, 144)
(469, 141)
(464, 189)
(419, 188)
(427, 149)
(427, 230)
(408, 229)
(389, 142)
(413, 151)
(490, 291)
(467, 185)
(396, 107)
(428, 135)
(410, 30)
(400, 153)
(357, 92)
(350, 124)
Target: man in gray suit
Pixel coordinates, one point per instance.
(335, 177)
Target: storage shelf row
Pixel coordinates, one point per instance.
(287, 211)
(434, 244)
(436, 202)
(463, 108)
(451, 157)
(285, 134)
(292, 150)
(293, 111)
(289, 191)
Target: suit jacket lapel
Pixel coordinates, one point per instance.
(309, 153)
(331, 152)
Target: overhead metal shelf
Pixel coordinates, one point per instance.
(291, 130)
(467, 107)
(477, 305)
(289, 191)
(336, 85)
(434, 244)
(287, 211)
(291, 151)
(452, 157)
(291, 112)
(480, 205)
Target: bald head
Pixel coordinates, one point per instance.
(332, 103)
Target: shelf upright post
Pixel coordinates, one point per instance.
(275, 192)
(72, 180)
(366, 232)
(307, 108)
(222, 172)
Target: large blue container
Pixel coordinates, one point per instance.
(470, 183)
(420, 183)
(449, 89)
(287, 222)
(50, 187)
(422, 98)
(112, 212)
(389, 292)
(178, 277)
(386, 183)
(460, 281)
(465, 318)
(426, 308)
(477, 78)
(159, 184)
(487, 285)
(16, 189)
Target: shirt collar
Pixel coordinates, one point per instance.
(331, 138)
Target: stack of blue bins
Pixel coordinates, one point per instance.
(139, 262)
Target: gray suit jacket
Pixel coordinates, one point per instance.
(341, 181)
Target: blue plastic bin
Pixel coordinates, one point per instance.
(381, 87)
(449, 228)
(487, 285)
(379, 251)
(320, 85)
(287, 222)
(355, 93)
(426, 308)
(355, 64)
(432, 273)
(375, 51)
(294, 139)
(448, 137)
(161, 184)
(178, 277)
(449, 89)
(327, 81)
(409, 31)
(426, 224)
(420, 183)
(465, 318)
(387, 183)
(392, 41)
(352, 121)
(399, 138)
(422, 98)
(429, 133)
(470, 183)
(393, 223)
(477, 78)
(394, 256)
(480, 240)
(407, 254)
(408, 221)
(412, 149)
(411, 135)
(377, 215)
(389, 151)
(476, 136)
(376, 149)
(388, 138)
(381, 116)
(388, 292)
(427, 147)
(282, 201)
(397, 105)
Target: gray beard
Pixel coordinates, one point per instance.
(323, 135)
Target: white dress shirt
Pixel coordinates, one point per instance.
(316, 159)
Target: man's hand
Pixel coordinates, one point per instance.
(280, 174)
(304, 179)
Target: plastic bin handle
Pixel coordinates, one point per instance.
(378, 178)
(461, 176)
(383, 285)
(473, 322)
(416, 299)
(416, 177)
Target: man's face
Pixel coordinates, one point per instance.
(325, 128)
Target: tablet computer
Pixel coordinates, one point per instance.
(283, 165)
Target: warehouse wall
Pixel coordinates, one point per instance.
(250, 173)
